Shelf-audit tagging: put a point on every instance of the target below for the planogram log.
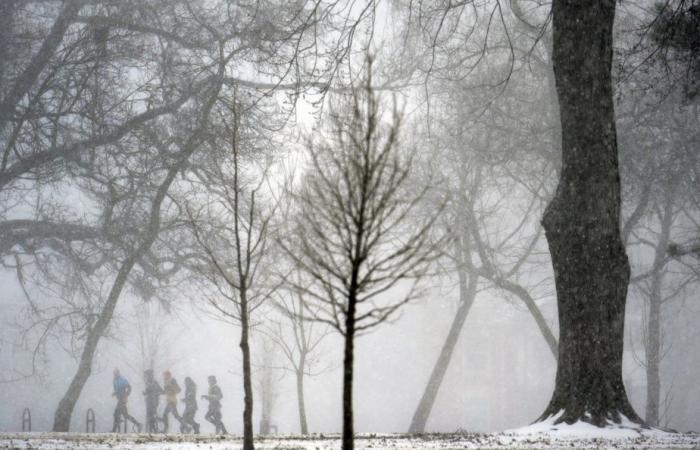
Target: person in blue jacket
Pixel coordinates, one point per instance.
(122, 389)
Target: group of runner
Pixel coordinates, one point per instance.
(171, 389)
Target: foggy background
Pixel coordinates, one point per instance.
(500, 377)
(502, 372)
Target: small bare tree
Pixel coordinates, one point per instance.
(298, 339)
(231, 222)
(357, 231)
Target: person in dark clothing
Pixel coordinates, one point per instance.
(214, 397)
(152, 394)
(122, 389)
(171, 389)
(190, 401)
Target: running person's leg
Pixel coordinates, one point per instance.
(184, 426)
(220, 428)
(166, 412)
(118, 413)
(187, 421)
(129, 417)
(151, 419)
(209, 416)
(213, 416)
(173, 409)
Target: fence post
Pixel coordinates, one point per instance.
(90, 421)
(26, 420)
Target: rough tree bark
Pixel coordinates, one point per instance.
(582, 222)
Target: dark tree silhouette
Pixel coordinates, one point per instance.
(582, 222)
(354, 235)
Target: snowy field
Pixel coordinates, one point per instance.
(580, 436)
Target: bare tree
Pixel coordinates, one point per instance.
(67, 112)
(659, 171)
(496, 165)
(354, 236)
(582, 223)
(298, 338)
(231, 221)
(155, 341)
(67, 404)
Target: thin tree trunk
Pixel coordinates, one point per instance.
(303, 353)
(300, 399)
(653, 346)
(265, 401)
(653, 332)
(247, 384)
(582, 222)
(467, 292)
(534, 310)
(64, 412)
(348, 425)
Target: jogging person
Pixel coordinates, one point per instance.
(214, 397)
(152, 394)
(190, 401)
(171, 389)
(122, 389)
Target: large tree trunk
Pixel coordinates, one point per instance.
(467, 292)
(64, 412)
(348, 425)
(247, 383)
(582, 223)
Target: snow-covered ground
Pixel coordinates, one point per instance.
(577, 436)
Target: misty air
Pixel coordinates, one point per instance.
(339, 224)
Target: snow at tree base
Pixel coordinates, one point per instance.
(341, 224)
